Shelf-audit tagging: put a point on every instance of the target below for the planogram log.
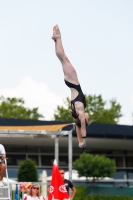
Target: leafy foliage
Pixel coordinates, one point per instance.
(96, 108)
(14, 108)
(27, 171)
(63, 113)
(94, 166)
(81, 195)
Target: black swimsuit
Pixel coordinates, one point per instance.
(80, 97)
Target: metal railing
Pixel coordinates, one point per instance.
(5, 190)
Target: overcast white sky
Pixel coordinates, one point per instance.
(97, 37)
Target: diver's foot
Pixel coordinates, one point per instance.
(83, 144)
(56, 33)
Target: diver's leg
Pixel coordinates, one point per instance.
(69, 71)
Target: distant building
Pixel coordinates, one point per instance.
(113, 141)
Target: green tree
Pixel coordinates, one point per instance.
(96, 108)
(95, 166)
(63, 112)
(27, 171)
(14, 108)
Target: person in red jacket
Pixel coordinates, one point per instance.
(34, 193)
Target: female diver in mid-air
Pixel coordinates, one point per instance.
(78, 102)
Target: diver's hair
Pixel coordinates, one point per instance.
(74, 114)
(88, 122)
(77, 120)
